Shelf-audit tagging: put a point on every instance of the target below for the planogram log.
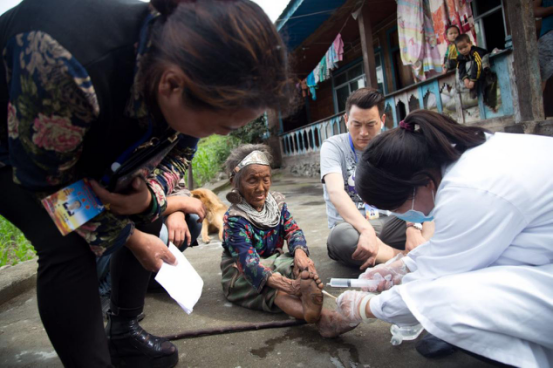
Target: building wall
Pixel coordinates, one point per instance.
(352, 52)
(323, 106)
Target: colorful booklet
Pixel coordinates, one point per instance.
(73, 206)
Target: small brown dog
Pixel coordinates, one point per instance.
(215, 211)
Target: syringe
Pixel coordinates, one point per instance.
(356, 283)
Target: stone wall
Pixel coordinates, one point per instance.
(307, 165)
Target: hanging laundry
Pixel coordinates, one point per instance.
(417, 39)
(440, 19)
(452, 9)
(339, 47)
(467, 19)
(322, 69)
(317, 73)
(459, 13)
(333, 57)
(312, 85)
(410, 24)
(328, 62)
(432, 59)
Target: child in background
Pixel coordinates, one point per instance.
(450, 59)
(470, 61)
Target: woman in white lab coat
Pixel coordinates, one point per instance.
(484, 282)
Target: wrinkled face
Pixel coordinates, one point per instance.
(255, 183)
(464, 47)
(364, 125)
(452, 34)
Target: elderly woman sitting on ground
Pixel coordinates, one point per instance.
(257, 273)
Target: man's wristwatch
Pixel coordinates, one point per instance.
(415, 225)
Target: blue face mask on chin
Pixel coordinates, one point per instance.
(415, 216)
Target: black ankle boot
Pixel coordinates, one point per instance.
(131, 346)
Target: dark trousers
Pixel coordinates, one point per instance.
(343, 238)
(67, 285)
(129, 280)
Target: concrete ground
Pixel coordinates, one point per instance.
(23, 341)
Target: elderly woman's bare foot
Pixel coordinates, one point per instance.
(333, 324)
(311, 297)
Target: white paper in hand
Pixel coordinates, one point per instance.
(182, 281)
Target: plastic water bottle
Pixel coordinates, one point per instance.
(400, 333)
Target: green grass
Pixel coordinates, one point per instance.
(14, 247)
(210, 157)
(214, 150)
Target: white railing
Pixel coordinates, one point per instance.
(309, 138)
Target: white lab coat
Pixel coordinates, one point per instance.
(484, 282)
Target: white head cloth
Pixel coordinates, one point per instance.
(269, 216)
(254, 158)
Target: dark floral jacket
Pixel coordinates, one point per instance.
(247, 244)
(52, 105)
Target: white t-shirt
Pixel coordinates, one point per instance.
(337, 156)
(494, 207)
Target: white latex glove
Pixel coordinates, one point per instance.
(350, 304)
(387, 274)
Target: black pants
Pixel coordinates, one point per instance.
(67, 286)
(343, 238)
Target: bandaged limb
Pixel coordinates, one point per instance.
(353, 305)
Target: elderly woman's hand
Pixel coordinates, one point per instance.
(135, 202)
(289, 286)
(303, 262)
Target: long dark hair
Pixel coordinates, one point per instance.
(230, 52)
(404, 158)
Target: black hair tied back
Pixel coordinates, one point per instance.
(399, 160)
